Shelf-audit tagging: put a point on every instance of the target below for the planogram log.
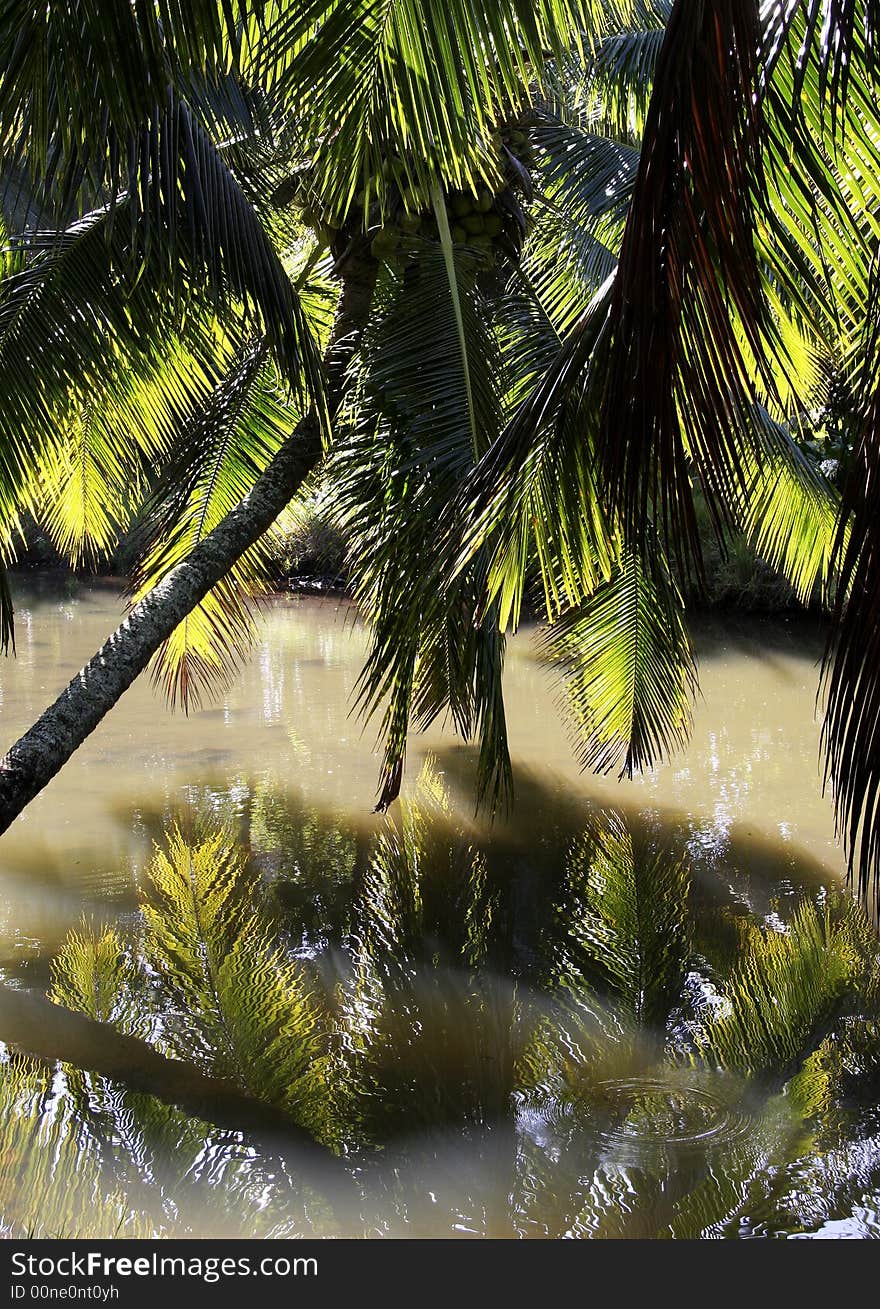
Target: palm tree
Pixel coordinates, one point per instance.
(158, 233)
(698, 232)
(743, 298)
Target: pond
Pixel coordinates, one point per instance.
(239, 1003)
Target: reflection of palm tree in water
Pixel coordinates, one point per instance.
(611, 1064)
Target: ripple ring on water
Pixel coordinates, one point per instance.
(659, 1113)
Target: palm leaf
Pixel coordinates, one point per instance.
(678, 388)
(429, 79)
(790, 514)
(628, 666)
(428, 391)
(228, 440)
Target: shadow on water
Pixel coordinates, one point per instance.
(577, 1021)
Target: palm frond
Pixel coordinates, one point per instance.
(228, 440)
(790, 514)
(395, 477)
(61, 66)
(534, 492)
(628, 667)
(678, 389)
(620, 70)
(850, 729)
(431, 80)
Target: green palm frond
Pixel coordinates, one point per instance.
(834, 38)
(227, 441)
(790, 514)
(533, 496)
(628, 666)
(620, 70)
(88, 501)
(93, 481)
(431, 80)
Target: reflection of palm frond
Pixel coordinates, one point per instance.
(51, 1180)
(237, 1003)
(788, 984)
(630, 935)
(92, 974)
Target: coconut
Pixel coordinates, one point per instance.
(462, 205)
(474, 223)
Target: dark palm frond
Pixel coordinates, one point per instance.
(428, 393)
(587, 175)
(678, 387)
(628, 667)
(226, 242)
(62, 62)
(851, 729)
(145, 137)
(830, 225)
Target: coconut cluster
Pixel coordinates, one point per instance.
(489, 223)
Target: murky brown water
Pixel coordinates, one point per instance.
(502, 1030)
(751, 769)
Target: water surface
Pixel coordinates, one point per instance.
(631, 1008)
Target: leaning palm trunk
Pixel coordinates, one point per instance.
(43, 750)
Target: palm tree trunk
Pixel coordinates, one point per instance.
(44, 749)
